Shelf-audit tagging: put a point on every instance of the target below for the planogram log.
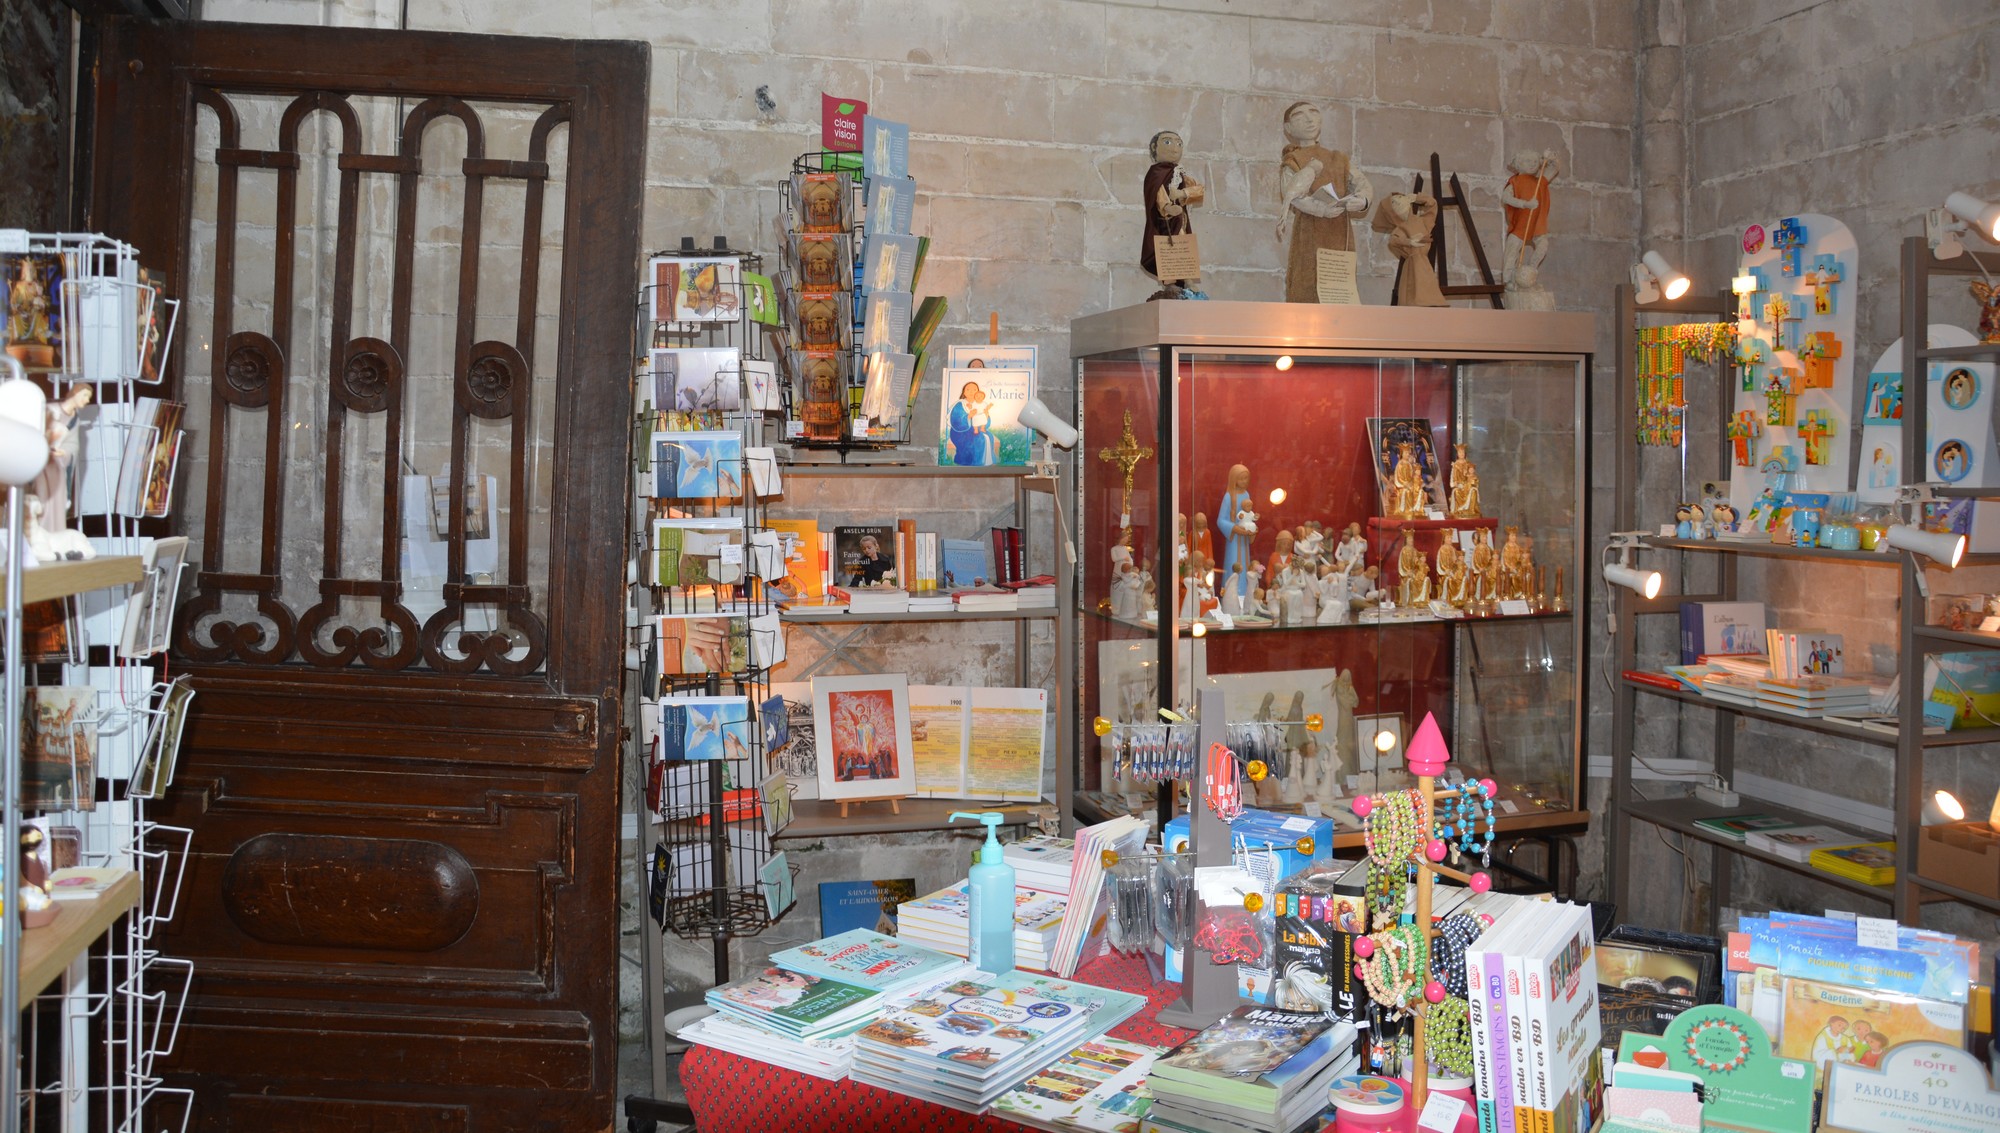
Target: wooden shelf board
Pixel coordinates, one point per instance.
(1970, 637)
(1954, 893)
(822, 617)
(1499, 619)
(60, 580)
(1680, 815)
(47, 951)
(1809, 723)
(820, 818)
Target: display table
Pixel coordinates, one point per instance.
(742, 1095)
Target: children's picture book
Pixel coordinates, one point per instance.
(1885, 400)
(775, 878)
(869, 906)
(864, 555)
(1101, 1080)
(698, 552)
(885, 324)
(966, 563)
(871, 960)
(980, 416)
(888, 262)
(885, 147)
(59, 765)
(694, 290)
(792, 1002)
(700, 465)
(891, 203)
(1388, 435)
(1873, 863)
(1831, 1023)
(982, 356)
(863, 736)
(975, 1026)
(694, 644)
(1246, 1043)
(690, 379)
(797, 758)
(705, 727)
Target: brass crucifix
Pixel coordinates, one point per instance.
(1126, 457)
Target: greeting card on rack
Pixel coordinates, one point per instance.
(697, 379)
(891, 202)
(693, 290)
(885, 149)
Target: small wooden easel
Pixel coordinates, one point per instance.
(1455, 199)
(895, 803)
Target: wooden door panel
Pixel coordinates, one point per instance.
(400, 771)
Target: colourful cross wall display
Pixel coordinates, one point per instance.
(1661, 367)
(1795, 351)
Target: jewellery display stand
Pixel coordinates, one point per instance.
(1208, 990)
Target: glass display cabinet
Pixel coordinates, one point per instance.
(1330, 558)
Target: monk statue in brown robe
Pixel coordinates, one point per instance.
(1407, 218)
(1320, 190)
(1170, 192)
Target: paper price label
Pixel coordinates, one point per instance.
(13, 241)
(1515, 607)
(1875, 932)
(1441, 1113)
(732, 554)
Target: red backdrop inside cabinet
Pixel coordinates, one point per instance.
(1304, 430)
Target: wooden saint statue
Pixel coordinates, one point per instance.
(1320, 190)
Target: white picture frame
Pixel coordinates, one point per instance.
(862, 736)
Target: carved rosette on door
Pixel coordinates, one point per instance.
(483, 616)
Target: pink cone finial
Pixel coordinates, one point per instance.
(1427, 754)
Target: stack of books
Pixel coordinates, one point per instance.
(942, 920)
(1870, 863)
(827, 989)
(963, 1043)
(1799, 843)
(1082, 935)
(986, 598)
(1037, 593)
(1534, 1023)
(828, 1058)
(873, 599)
(1043, 862)
(1814, 696)
(931, 602)
(886, 964)
(1257, 1068)
(1737, 827)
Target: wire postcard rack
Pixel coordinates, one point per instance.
(97, 331)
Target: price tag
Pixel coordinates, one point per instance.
(861, 427)
(1509, 806)
(1515, 607)
(1990, 625)
(732, 554)
(1666, 530)
(1312, 809)
(794, 430)
(13, 241)
(1441, 1112)
(1224, 620)
(1433, 514)
(1842, 915)
(1875, 932)
(1298, 825)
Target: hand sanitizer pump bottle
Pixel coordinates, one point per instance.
(990, 899)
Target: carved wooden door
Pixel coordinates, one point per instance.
(408, 264)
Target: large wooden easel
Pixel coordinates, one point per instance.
(1454, 199)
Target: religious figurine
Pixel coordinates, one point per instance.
(1525, 205)
(1336, 592)
(1371, 591)
(52, 486)
(1307, 543)
(1406, 485)
(1722, 517)
(1413, 577)
(1485, 572)
(1464, 486)
(1517, 568)
(1282, 557)
(1320, 189)
(1988, 297)
(1200, 537)
(1452, 575)
(30, 316)
(1291, 598)
(1169, 194)
(1191, 588)
(1407, 219)
(1180, 536)
(1127, 596)
(1353, 551)
(1237, 521)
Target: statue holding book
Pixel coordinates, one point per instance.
(1320, 189)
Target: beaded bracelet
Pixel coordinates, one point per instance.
(1454, 934)
(1460, 818)
(1448, 1038)
(1394, 965)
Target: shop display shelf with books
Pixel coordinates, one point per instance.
(821, 615)
(1947, 890)
(1765, 548)
(821, 818)
(1177, 400)
(1683, 816)
(1804, 723)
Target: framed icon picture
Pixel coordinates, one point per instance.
(863, 736)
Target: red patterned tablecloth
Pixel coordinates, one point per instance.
(731, 1094)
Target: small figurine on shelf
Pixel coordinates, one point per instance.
(1453, 575)
(1370, 592)
(1191, 586)
(1407, 219)
(1413, 577)
(1336, 593)
(1722, 518)
(1485, 572)
(1169, 194)
(1282, 557)
(1237, 521)
(1291, 600)
(1464, 486)
(1517, 568)
(1200, 538)
(1352, 554)
(1307, 542)
(1406, 485)
(1127, 586)
(1525, 205)
(1320, 188)
(52, 487)
(1685, 521)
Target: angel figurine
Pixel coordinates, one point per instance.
(1406, 484)
(1413, 573)
(1320, 189)
(1464, 486)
